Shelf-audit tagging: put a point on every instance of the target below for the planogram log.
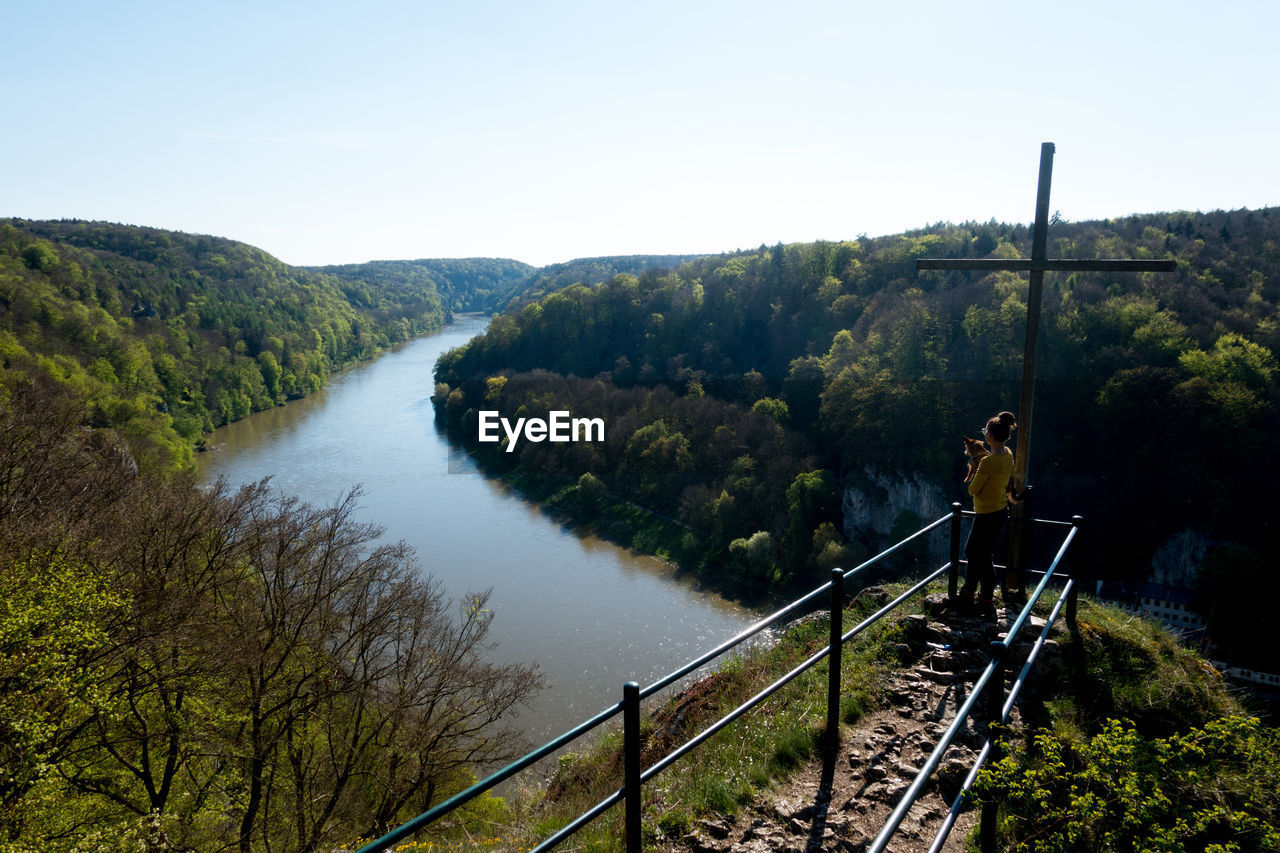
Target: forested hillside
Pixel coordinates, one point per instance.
(168, 335)
(741, 392)
(464, 284)
(551, 278)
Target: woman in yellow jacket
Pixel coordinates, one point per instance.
(989, 488)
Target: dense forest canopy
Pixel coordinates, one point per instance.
(588, 271)
(1156, 392)
(464, 284)
(169, 335)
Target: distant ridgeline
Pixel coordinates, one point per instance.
(489, 284)
(744, 395)
(464, 284)
(167, 335)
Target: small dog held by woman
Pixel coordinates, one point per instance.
(975, 450)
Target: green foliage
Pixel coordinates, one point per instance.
(591, 492)
(736, 765)
(881, 366)
(812, 500)
(53, 613)
(1132, 668)
(169, 335)
(755, 556)
(464, 284)
(1211, 788)
(681, 474)
(1238, 372)
(773, 408)
(1144, 749)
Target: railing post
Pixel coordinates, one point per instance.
(1019, 546)
(995, 707)
(953, 575)
(631, 762)
(833, 661)
(1077, 573)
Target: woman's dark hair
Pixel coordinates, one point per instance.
(1001, 425)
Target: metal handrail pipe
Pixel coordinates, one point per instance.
(812, 661)
(703, 736)
(426, 818)
(866, 623)
(1051, 522)
(957, 805)
(1021, 680)
(935, 758)
(917, 785)
(1039, 590)
(574, 826)
(463, 797)
(892, 548)
(769, 620)
(744, 635)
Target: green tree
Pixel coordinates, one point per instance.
(40, 255)
(271, 374)
(757, 555)
(772, 408)
(812, 498)
(53, 616)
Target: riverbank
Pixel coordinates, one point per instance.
(587, 508)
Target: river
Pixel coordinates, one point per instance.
(590, 614)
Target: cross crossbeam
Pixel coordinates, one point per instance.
(1044, 265)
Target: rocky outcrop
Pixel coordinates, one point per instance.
(875, 499)
(1177, 562)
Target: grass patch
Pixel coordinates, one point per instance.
(1128, 667)
(1143, 747)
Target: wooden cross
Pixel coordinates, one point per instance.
(1037, 265)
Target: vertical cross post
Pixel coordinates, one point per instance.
(1019, 535)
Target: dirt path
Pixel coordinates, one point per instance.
(841, 807)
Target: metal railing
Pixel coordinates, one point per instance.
(634, 776)
(999, 707)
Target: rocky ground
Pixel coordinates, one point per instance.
(841, 806)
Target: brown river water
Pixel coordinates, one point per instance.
(590, 614)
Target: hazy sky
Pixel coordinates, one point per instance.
(544, 131)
